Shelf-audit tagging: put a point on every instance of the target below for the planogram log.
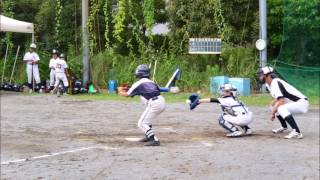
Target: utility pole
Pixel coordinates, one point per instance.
(263, 30)
(85, 42)
(263, 36)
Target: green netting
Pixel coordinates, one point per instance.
(299, 58)
(303, 78)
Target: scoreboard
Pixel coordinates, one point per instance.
(205, 46)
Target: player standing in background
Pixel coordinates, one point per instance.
(235, 113)
(287, 101)
(31, 58)
(60, 72)
(55, 57)
(149, 93)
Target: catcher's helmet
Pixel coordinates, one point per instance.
(227, 88)
(142, 71)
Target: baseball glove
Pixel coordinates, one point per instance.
(194, 101)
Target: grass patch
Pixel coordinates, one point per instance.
(252, 100)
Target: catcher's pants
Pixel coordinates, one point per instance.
(61, 77)
(154, 108)
(291, 107)
(240, 120)
(33, 69)
(52, 77)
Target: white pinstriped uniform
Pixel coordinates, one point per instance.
(32, 70)
(52, 72)
(60, 66)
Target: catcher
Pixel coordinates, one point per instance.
(235, 113)
(150, 95)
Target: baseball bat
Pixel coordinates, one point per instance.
(32, 77)
(5, 61)
(14, 64)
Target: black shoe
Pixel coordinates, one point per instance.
(145, 139)
(152, 143)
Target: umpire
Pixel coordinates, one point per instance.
(287, 101)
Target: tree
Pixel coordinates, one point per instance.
(301, 41)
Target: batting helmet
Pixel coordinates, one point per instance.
(62, 56)
(54, 51)
(142, 71)
(33, 45)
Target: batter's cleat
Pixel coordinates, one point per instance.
(294, 134)
(145, 139)
(279, 130)
(152, 143)
(235, 134)
(58, 94)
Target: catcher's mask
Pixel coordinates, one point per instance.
(142, 71)
(264, 72)
(227, 89)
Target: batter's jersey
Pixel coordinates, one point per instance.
(281, 89)
(31, 56)
(60, 65)
(145, 88)
(51, 63)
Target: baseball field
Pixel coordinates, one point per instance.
(45, 137)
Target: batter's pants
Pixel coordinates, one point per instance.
(154, 108)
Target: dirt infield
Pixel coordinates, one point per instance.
(45, 137)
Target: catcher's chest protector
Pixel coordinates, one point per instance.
(232, 106)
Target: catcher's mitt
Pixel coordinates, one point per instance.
(193, 101)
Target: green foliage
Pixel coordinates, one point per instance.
(219, 19)
(148, 14)
(7, 10)
(126, 25)
(301, 41)
(275, 26)
(91, 25)
(119, 19)
(136, 39)
(57, 27)
(240, 17)
(240, 62)
(107, 14)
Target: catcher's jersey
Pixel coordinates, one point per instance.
(31, 56)
(145, 88)
(60, 65)
(51, 63)
(281, 89)
(230, 102)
